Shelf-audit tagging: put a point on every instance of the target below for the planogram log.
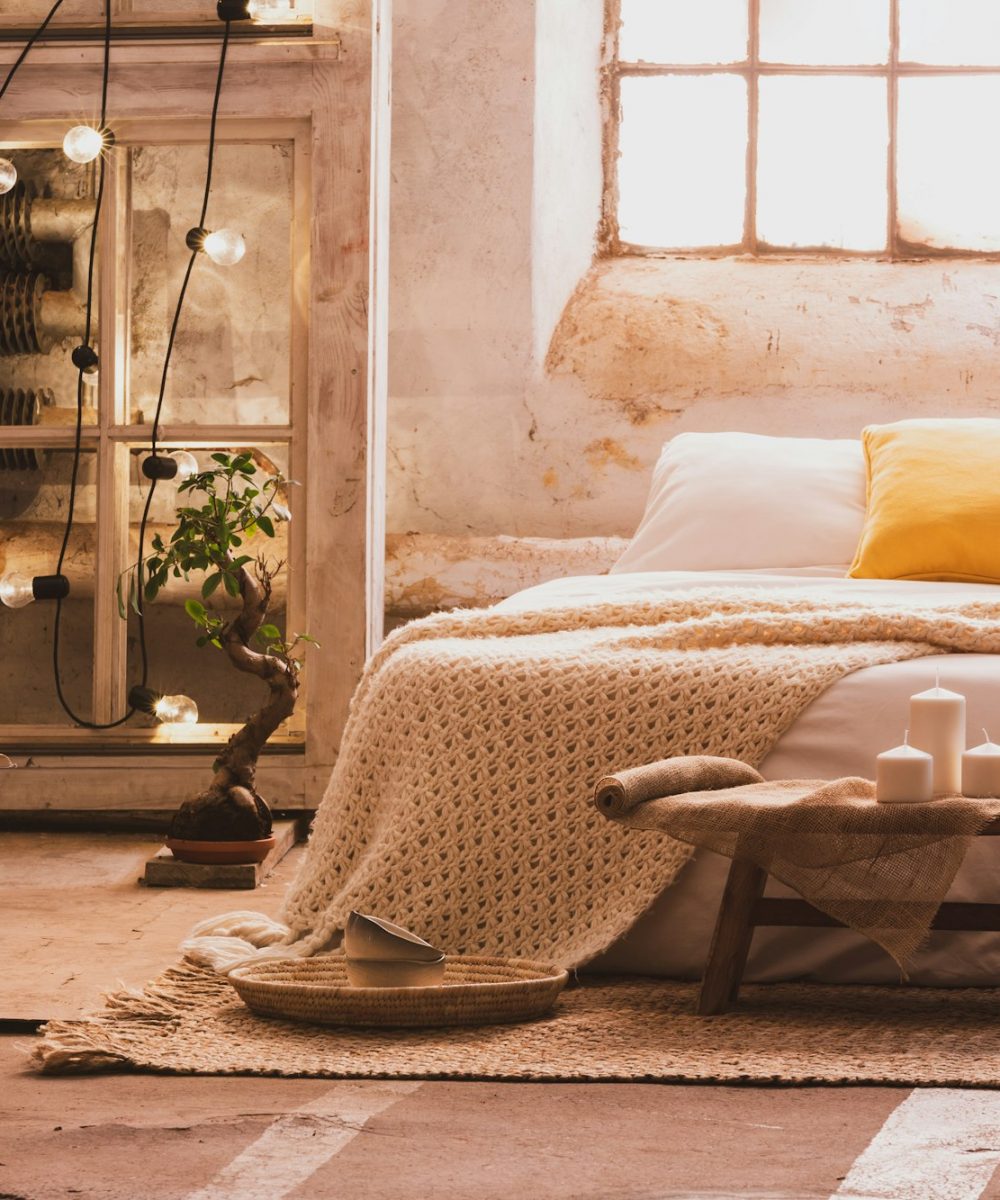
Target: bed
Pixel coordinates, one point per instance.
(461, 802)
(840, 733)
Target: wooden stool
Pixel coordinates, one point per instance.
(744, 907)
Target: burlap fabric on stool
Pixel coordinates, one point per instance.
(882, 869)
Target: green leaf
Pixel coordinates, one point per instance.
(221, 458)
(266, 525)
(210, 584)
(304, 637)
(270, 633)
(195, 610)
(232, 584)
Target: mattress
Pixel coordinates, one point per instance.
(838, 734)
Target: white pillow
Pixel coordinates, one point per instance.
(738, 501)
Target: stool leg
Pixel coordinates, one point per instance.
(731, 940)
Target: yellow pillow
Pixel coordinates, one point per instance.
(933, 501)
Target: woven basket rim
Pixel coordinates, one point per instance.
(543, 975)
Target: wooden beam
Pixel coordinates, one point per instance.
(144, 785)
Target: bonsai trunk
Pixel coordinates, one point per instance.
(231, 808)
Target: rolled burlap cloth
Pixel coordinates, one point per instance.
(623, 791)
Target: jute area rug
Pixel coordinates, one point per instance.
(191, 1022)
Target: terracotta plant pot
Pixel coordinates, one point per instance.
(220, 852)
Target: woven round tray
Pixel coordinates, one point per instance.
(476, 991)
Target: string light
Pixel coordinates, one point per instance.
(85, 359)
(18, 590)
(84, 143)
(234, 10)
(178, 464)
(223, 246)
(168, 710)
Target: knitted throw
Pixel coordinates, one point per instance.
(460, 805)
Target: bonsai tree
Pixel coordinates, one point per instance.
(227, 507)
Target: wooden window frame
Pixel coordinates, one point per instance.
(898, 249)
(329, 96)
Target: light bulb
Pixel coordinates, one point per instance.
(187, 465)
(176, 710)
(83, 143)
(16, 590)
(8, 175)
(225, 247)
(271, 12)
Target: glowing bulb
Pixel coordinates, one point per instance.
(187, 465)
(16, 590)
(8, 175)
(83, 143)
(225, 247)
(176, 710)
(272, 12)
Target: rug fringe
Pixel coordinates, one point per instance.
(95, 1042)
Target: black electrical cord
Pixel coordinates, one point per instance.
(174, 324)
(78, 439)
(27, 47)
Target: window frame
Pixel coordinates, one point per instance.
(898, 249)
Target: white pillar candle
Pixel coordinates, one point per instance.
(981, 770)
(937, 725)
(904, 775)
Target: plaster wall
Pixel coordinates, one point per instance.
(531, 393)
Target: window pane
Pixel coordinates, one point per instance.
(34, 490)
(821, 175)
(682, 170)
(952, 32)
(823, 32)
(949, 180)
(48, 218)
(679, 31)
(231, 359)
(177, 666)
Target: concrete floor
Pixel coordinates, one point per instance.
(75, 924)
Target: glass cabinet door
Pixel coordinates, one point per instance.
(236, 377)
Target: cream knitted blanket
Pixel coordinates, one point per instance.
(460, 805)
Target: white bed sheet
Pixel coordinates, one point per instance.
(838, 734)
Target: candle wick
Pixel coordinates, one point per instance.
(986, 735)
(906, 738)
(937, 678)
